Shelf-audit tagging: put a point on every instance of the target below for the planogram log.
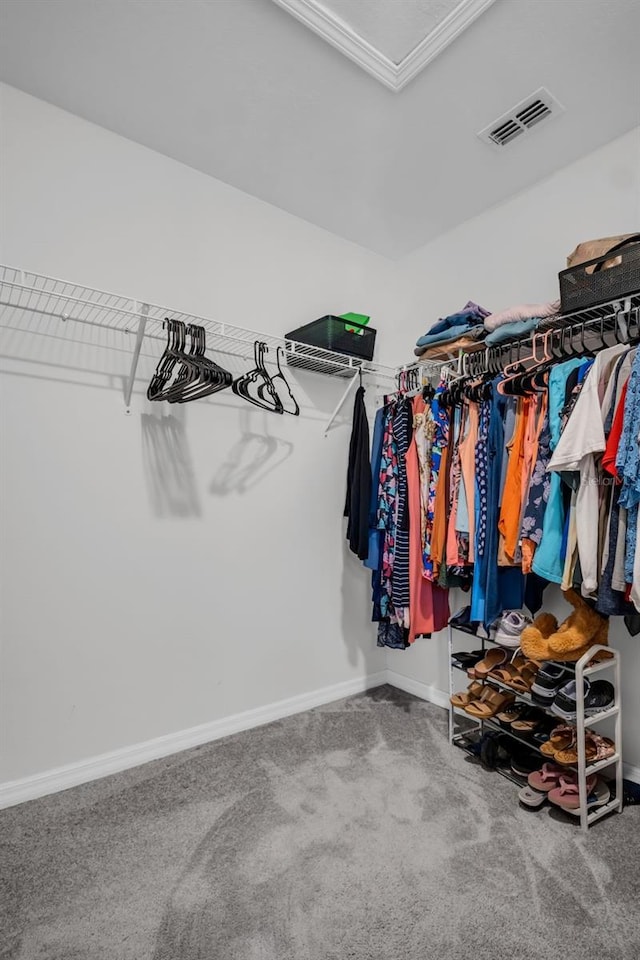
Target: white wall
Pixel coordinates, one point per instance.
(119, 624)
(512, 254)
(124, 619)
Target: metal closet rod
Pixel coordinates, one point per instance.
(493, 358)
(617, 311)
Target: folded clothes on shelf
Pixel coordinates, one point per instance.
(470, 315)
(469, 332)
(509, 331)
(523, 311)
(444, 350)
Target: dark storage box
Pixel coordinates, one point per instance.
(590, 283)
(337, 335)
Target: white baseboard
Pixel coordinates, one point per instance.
(631, 773)
(93, 768)
(419, 689)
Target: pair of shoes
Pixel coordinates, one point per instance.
(492, 658)
(545, 640)
(473, 692)
(521, 718)
(567, 794)
(491, 702)
(508, 628)
(519, 673)
(549, 679)
(466, 659)
(523, 762)
(553, 783)
(562, 746)
(598, 696)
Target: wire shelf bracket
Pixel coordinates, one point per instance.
(68, 302)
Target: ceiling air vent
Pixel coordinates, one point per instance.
(521, 118)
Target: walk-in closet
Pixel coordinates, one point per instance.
(319, 479)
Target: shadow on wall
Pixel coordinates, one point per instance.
(254, 455)
(168, 467)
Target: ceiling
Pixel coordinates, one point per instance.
(393, 42)
(245, 92)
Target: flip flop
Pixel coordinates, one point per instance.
(567, 793)
(598, 795)
(531, 798)
(547, 778)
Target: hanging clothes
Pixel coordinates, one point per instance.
(583, 438)
(428, 603)
(356, 507)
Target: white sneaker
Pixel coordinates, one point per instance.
(510, 626)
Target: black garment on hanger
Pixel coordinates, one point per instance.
(356, 506)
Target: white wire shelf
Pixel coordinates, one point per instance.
(67, 302)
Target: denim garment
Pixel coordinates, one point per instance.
(628, 464)
(547, 561)
(471, 313)
(494, 589)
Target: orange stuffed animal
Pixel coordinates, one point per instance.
(545, 640)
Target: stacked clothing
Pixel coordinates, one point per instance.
(459, 329)
(518, 321)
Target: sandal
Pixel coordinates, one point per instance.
(473, 692)
(606, 748)
(561, 737)
(567, 793)
(504, 674)
(490, 703)
(531, 798)
(529, 720)
(569, 756)
(524, 678)
(597, 796)
(596, 748)
(506, 717)
(546, 778)
(464, 660)
(493, 659)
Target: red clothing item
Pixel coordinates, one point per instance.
(428, 603)
(611, 450)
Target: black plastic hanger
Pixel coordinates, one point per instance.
(258, 377)
(280, 376)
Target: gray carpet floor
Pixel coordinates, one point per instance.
(349, 832)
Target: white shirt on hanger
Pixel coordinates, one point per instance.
(583, 437)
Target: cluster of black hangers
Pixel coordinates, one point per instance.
(185, 374)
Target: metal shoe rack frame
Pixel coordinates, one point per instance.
(460, 738)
